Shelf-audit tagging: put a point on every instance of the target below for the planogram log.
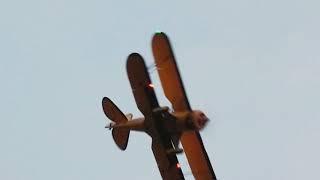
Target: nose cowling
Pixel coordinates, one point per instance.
(199, 119)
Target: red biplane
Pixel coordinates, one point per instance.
(166, 127)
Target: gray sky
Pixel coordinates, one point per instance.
(253, 66)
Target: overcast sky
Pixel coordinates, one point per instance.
(252, 66)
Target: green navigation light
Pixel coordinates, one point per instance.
(158, 32)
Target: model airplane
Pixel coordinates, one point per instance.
(166, 128)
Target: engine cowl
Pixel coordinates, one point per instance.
(195, 120)
(199, 119)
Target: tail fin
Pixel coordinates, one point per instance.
(129, 116)
(120, 135)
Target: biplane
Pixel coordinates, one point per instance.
(167, 127)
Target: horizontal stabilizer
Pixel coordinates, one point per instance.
(112, 111)
(120, 135)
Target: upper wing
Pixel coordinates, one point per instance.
(173, 88)
(146, 101)
(169, 73)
